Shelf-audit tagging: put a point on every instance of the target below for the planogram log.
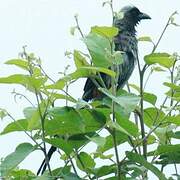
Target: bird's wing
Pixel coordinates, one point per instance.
(128, 44)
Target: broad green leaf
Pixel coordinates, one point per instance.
(162, 59)
(108, 32)
(80, 60)
(64, 120)
(168, 149)
(177, 135)
(36, 119)
(162, 133)
(19, 125)
(175, 119)
(56, 96)
(94, 119)
(78, 140)
(79, 73)
(27, 81)
(172, 86)
(60, 84)
(12, 160)
(34, 115)
(149, 97)
(19, 174)
(128, 101)
(18, 62)
(136, 158)
(169, 154)
(71, 176)
(85, 161)
(62, 144)
(145, 38)
(62, 170)
(150, 140)
(29, 111)
(115, 125)
(104, 170)
(100, 141)
(127, 125)
(120, 139)
(100, 69)
(169, 158)
(99, 48)
(153, 116)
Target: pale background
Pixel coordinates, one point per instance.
(43, 25)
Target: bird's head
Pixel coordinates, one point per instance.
(131, 16)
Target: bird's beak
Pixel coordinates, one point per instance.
(144, 16)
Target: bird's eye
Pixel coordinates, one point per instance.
(135, 11)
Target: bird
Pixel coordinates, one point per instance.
(125, 41)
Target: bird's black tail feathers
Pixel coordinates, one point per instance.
(44, 164)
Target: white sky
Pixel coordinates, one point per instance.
(43, 25)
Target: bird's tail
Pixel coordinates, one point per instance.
(43, 166)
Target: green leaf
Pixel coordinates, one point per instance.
(149, 97)
(172, 86)
(100, 141)
(153, 116)
(27, 81)
(56, 96)
(12, 160)
(78, 140)
(108, 32)
(64, 120)
(18, 62)
(126, 124)
(120, 138)
(169, 154)
(173, 119)
(62, 144)
(168, 149)
(79, 59)
(140, 159)
(169, 158)
(100, 69)
(70, 176)
(60, 84)
(19, 125)
(145, 38)
(127, 101)
(104, 170)
(62, 170)
(115, 125)
(99, 48)
(19, 174)
(163, 59)
(94, 119)
(79, 73)
(33, 115)
(85, 161)
(163, 133)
